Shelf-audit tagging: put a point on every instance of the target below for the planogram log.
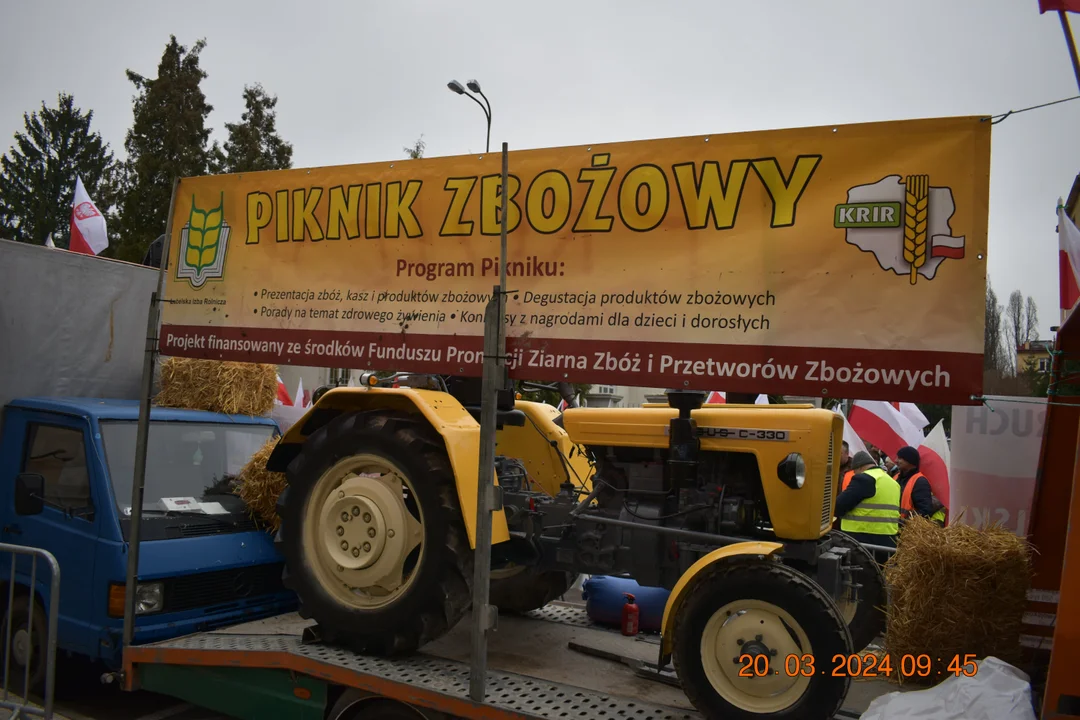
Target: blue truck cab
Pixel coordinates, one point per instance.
(203, 561)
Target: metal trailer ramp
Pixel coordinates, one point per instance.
(532, 674)
(420, 680)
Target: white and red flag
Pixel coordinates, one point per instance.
(282, 394)
(882, 424)
(934, 458)
(912, 412)
(88, 233)
(1068, 260)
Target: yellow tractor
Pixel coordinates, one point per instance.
(729, 507)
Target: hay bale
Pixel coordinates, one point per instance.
(259, 488)
(955, 591)
(224, 387)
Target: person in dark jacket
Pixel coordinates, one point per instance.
(916, 496)
(869, 503)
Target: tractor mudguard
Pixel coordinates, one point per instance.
(681, 589)
(549, 455)
(459, 430)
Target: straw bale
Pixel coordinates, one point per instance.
(224, 387)
(955, 591)
(259, 488)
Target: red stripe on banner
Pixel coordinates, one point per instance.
(945, 251)
(916, 376)
(1068, 290)
(1059, 6)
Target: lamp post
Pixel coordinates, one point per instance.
(485, 106)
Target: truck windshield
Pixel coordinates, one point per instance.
(189, 466)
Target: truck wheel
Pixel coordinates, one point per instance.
(864, 613)
(357, 705)
(372, 533)
(26, 647)
(743, 610)
(521, 589)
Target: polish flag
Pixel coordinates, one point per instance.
(855, 443)
(934, 457)
(562, 405)
(716, 398)
(882, 424)
(912, 412)
(88, 234)
(1068, 260)
(947, 246)
(299, 401)
(282, 394)
(49, 242)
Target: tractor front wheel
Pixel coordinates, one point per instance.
(372, 533)
(753, 639)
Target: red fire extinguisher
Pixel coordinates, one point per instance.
(630, 613)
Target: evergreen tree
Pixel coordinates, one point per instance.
(37, 175)
(167, 141)
(253, 142)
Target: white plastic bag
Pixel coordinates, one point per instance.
(998, 691)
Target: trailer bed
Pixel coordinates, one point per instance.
(532, 671)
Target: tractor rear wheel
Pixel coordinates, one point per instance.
(864, 607)
(520, 589)
(372, 533)
(753, 639)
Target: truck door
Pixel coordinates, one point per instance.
(57, 448)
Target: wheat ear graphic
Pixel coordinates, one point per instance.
(916, 201)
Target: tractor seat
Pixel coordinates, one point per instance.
(514, 418)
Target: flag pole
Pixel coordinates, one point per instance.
(1072, 45)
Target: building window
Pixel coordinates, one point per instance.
(1043, 365)
(605, 389)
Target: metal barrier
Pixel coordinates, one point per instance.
(20, 641)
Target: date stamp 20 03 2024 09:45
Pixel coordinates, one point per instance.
(860, 666)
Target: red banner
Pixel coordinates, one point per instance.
(922, 376)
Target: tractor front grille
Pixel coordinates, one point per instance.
(827, 495)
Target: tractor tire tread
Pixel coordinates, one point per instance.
(829, 693)
(448, 597)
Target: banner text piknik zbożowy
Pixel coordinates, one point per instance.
(845, 261)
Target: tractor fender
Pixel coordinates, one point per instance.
(686, 582)
(459, 430)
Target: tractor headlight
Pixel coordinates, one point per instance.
(792, 471)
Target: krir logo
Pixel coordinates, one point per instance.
(904, 222)
(204, 241)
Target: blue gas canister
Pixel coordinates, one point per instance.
(605, 597)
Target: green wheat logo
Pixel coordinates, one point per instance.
(204, 241)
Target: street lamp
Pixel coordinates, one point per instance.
(485, 106)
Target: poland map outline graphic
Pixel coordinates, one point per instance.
(904, 222)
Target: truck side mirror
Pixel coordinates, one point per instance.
(29, 494)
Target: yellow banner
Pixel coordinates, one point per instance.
(841, 260)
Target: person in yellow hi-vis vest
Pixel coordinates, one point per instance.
(869, 504)
(916, 495)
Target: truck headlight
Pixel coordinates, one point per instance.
(792, 471)
(149, 598)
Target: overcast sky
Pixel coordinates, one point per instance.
(356, 81)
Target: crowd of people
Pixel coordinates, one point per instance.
(878, 494)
